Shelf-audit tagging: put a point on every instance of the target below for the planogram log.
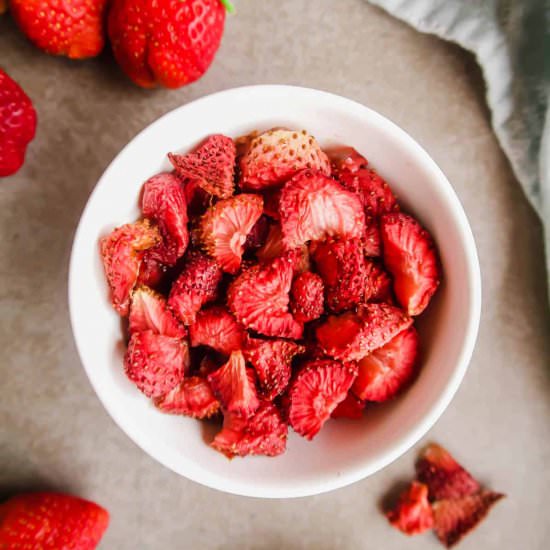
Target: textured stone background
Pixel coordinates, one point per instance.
(54, 432)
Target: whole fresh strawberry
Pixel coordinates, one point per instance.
(17, 125)
(167, 43)
(51, 521)
(73, 28)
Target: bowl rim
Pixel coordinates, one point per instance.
(400, 446)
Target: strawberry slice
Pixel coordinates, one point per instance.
(444, 476)
(314, 206)
(413, 513)
(410, 256)
(351, 407)
(264, 433)
(307, 301)
(163, 200)
(341, 264)
(351, 336)
(215, 327)
(193, 397)
(315, 392)
(276, 155)
(196, 286)
(346, 159)
(233, 385)
(151, 271)
(225, 226)
(211, 165)
(149, 311)
(271, 360)
(259, 299)
(155, 363)
(378, 285)
(122, 253)
(389, 369)
(455, 518)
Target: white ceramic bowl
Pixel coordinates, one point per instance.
(344, 451)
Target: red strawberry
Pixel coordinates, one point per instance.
(346, 159)
(211, 165)
(258, 234)
(351, 407)
(271, 360)
(51, 521)
(217, 328)
(259, 299)
(155, 363)
(413, 513)
(73, 29)
(148, 311)
(444, 476)
(164, 201)
(17, 125)
(233, 385)
(315, 392)
(410, 256)
(351, 336)
(378, 285)
(276, 155)
(225, 227)
(193, 397)
(264, 433)
(389, 369)
(307, 297)
(455, 518)
(314, 206)
(151, 271)
(196, 286)
(122, 252)
(341, 264)
(164, 42)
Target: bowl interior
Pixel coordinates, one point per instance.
(344, 451)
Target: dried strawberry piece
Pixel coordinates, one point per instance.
(211, 165)
(193, 397)
(155, 363)
(196, 285)
(314, 207)
(225, 227)
(163, 201)
(307, 297)
(264, 433)
(351, 407)
(351, 336)
(315, 392)
(413, 513)
(271, 360)
(122, 252)
(151, 271)
(233, 385)
(149, 311)
(276, 155)
(378, 284)
(215, 327)
(346, 159)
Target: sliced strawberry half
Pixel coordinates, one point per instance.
(315, 392)
(307, 301)
(163, 200)
(211, 165)
(193, 397)
(413, 512)
(272, 360)
(352, 336)
(389, 369)
(122, 253)
(233, 384)
(455, 518)
(276, 155)
(378, 284)
(218, 329)
(410, 256)
(259, 299)
(314, 207)
(196, 285)
(346, 159)
(155, 363)
(264, 433)
(149, 311)
(225, 227)
(444, 476)
(351, 407)
(151, 271)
